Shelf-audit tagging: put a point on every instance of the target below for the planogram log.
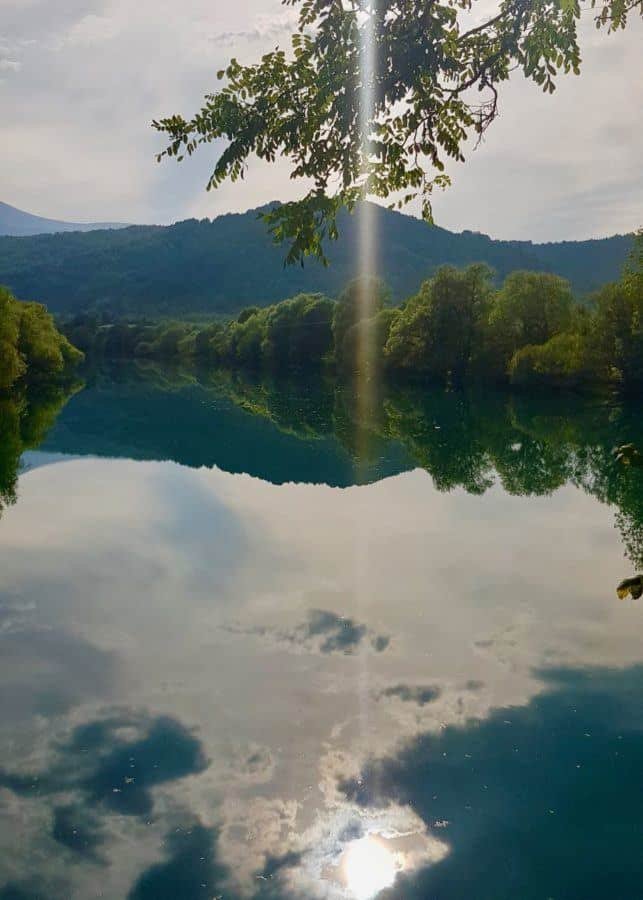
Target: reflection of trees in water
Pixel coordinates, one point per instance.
(25, 419)
(10, 449)
(532, 445)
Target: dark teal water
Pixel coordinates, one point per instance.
(257, 641)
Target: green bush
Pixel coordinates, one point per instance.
(565, 360)
(31, 347)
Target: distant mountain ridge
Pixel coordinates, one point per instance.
(17, 223)
(222, 265)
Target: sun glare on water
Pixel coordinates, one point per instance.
(368, 868)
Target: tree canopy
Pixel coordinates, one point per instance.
(373, 98)
(31, 347)
(458, 327)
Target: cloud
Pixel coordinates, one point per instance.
(421, 695)
(91, 29)
(191, 870)
(323, 632)
(43, 666)
(265, 27)
(330, 633)
(79, 145)
(10, 65)
(522, 784)
(78, 828)
(249, 765)
(115, 763)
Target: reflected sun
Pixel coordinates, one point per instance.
(368, 868)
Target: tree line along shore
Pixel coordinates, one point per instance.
(531, 331)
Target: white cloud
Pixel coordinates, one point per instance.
(91, 29)
(94, 73)
(263, 28)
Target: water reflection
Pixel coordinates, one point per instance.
(198, 702)
(368, 867)
(319, 431)
(526, 790)
(25, 419)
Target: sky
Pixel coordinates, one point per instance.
(81, 80)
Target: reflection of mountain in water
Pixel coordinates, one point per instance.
(278, 433)
(318, 431)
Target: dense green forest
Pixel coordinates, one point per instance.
(459, 326)
(31, 347)
(231, 262)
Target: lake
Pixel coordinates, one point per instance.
(285, 640)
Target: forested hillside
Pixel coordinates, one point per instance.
(230, 262)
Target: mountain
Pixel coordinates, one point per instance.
(219, 266)
(17, 223)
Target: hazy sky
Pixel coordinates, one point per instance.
(80, 81)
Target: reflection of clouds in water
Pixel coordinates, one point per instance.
(254, 835)
(80, 829)
(407, 693)
(158, 528)
(115, 762)
(46, 672)
(330, 632)
(247, 765)
(329, 853)
(553, 780)
(322, 632)
(100, 794)
(191, 870)
(131, 572)
(15, 613)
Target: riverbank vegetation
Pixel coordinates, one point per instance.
(530, 332)
(31, 347)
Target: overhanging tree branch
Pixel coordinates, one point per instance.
(305, 106)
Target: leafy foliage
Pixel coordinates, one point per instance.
(618, 334)
(564, 360)
(31, 347)
(437, 330)
(362, 299)
(458, 327)
(12, 365)
(373, 98)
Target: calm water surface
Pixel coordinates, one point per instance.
(259, 643)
